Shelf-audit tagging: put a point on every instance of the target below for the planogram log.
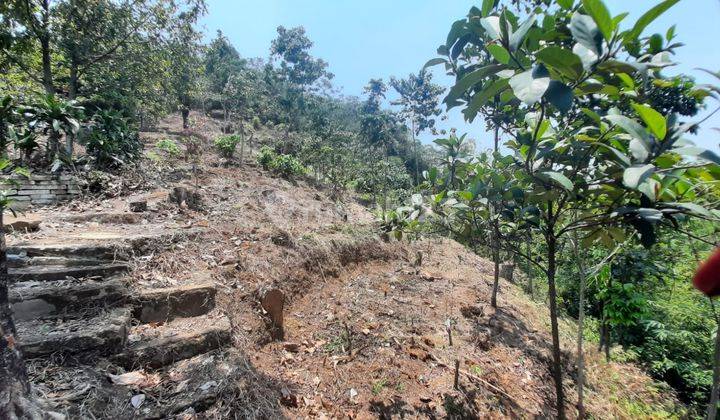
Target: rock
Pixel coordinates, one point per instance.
(185, 198)
(272, 301)
(138, 206)
(20, 225)
(291, 347)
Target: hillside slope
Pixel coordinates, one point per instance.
(365, 321)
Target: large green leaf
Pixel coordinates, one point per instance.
(482, 97)
(693, 208)
(630, 126)
(586, 32)
(518, 35)
(469, 80)
(601, 16)
(499, 53)
(653, 119)
(491, 24)
(647, 18)
(562, 60)
(566, 4)
(559, 179)
(636, 174)
(487, 7)
(559, 95)
(530, 86)
(639, 149)
(700, 152)
(434, 62)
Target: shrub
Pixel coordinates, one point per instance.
(168, 146)
(111, 140)
(226, 145)
(265, 157)
(287, 166)
(256, 122)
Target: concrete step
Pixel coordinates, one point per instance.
(166, 304)
(17, 261)
(97, 251)
(102, 333)
(37, 299)
(153, 347)
(54, 272)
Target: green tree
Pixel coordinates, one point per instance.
(582, 163)
(419, 103)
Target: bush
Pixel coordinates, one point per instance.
(168, 146)
(256, 122)
(287, 166)
(265, 157)
(111, 140)
(226, 145)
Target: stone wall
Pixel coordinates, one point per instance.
(41, 189)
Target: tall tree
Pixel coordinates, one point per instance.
(419, 103)
(585, 162)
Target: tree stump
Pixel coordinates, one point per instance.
(185, 198)
(138, 206)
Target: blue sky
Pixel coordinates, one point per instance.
(365, 39)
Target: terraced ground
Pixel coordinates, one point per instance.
(160, 313)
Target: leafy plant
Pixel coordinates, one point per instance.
(265, 157)
(287, 166)
(169, 146)
(226, 145)
(111, 140)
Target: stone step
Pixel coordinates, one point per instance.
(157, 346)
(36, 299)
(194, 384)
(53, 272)
(98, 251)
(102, 333)
(166, 304)
(17, 261)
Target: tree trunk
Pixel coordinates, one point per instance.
(73, 82)
(581, 319)
(495, 238)
(242, 142)
(528, 269)
(69, 140)
(712, 406)
(15, 402)
(496, 261)
(552, 294)
(185, 111)
(415, 149)
(44, 38)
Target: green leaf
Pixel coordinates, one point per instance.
(693, 208)
(630, 126)
(434, 62)
(559, 179)
(585, 31)
(481, 98)
(622, 157)
(700, 152)
(456, 31)
(499, 53)
(636, 174)
(469, 80)
(639, 149)
(492, 26)
(647, 18)
(565, 4)
(562, 60)
(559, 95)
(617, 66)
(653, 119)
(487, 7)
(601, 16)
(529, 88)
(518, 36)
